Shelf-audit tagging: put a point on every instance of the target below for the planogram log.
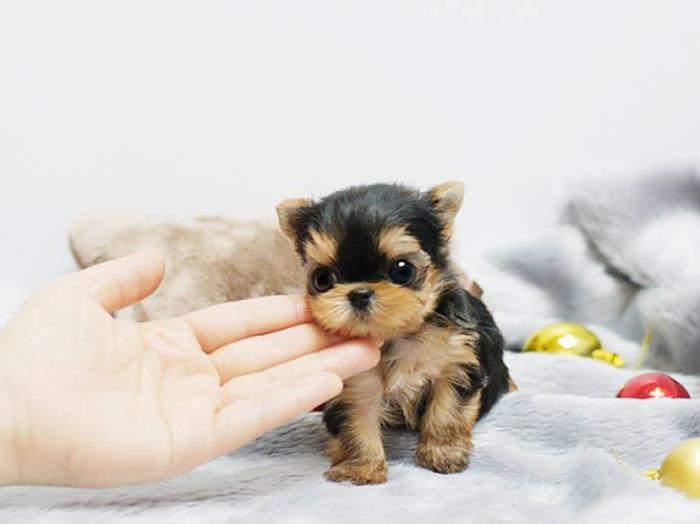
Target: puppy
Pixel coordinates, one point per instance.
(377, 260)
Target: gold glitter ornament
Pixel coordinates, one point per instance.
(681, 468)
(570, 338)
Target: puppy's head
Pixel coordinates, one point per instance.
(375, 256)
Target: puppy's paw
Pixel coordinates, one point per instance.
(358, 472)
(444, 457)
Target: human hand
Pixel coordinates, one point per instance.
(90, 400)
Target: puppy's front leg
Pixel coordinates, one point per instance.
(356, 451)
(446, 428)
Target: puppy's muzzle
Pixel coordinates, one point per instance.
(361, 298)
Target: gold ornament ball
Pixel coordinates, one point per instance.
(571, 339)
(681, 468)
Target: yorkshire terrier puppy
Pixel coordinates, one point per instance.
(377, 260)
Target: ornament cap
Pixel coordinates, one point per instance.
(652, 474)
(608, 356)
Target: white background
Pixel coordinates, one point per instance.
(227, 107)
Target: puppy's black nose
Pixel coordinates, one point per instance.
(361, 297)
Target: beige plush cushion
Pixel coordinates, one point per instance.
(209, 260)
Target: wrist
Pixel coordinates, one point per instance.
(9, 460)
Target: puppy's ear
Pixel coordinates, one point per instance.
(290, 214)
(447, 200)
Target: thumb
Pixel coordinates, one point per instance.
(124, 281)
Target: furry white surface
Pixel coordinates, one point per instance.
(542, 455)
(625, 257)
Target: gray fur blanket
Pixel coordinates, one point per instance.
(625, 257)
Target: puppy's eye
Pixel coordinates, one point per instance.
(402, 272)
(323, 279)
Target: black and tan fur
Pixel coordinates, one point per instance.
(442, 360)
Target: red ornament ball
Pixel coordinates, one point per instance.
(653, 385)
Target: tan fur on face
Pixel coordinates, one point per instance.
(321, 248)
(396, 310)
(396, 242)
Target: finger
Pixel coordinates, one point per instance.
(226, 323)
(258, 353)
(124, 281)
(344, 360)
(240, 422)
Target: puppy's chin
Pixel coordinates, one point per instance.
(361, 328)
(394, 311)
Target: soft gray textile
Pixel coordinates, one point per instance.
(542, 455)
(626, 256)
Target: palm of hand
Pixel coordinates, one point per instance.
(147, 393)
(102, 401)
